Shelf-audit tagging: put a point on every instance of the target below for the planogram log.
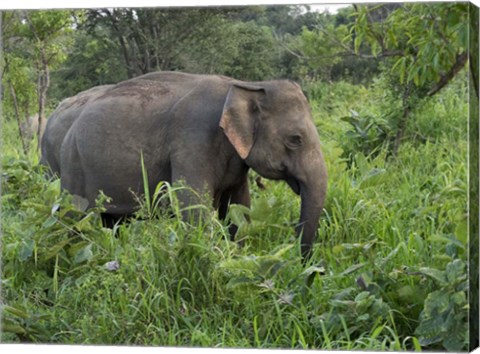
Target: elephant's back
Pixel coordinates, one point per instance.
(156, 89)
(163, 85)
(70, 109)
(61, 121)
(152, 100)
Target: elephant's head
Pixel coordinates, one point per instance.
(270, 126)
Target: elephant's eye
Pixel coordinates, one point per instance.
(294, 141)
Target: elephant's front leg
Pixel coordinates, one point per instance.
(236, 195)
(193, 200)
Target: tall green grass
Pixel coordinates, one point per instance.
(390, 254)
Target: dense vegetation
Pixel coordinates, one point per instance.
(389, 271)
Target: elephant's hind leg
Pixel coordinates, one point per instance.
(72, 177)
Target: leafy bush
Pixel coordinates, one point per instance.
(444, 318)
(46, 240)
(367, 135)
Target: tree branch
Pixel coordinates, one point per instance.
(17, 115)
(445, 79)
(122, 42)
(351, 52)
(284, 46)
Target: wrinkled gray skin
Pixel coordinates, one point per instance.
(60, 122)
(204, 130)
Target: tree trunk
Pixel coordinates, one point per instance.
(400, 130)
(403, 120)
(460, 61)
(17, 114)
(43, 85)
(43, 79)
(123, 43)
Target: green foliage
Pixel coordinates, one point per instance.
(34, 42)
(91, 62)
(19, 77)
(444, 317)
(427, 39)
(113, 45)
(357, 315)
(19, 73)
(318, 48)
(369, 118)
(46, 241)
(46, 34)
(367, 135)
(284, 20)
(325, 50)
(255, 53)
(248, 51)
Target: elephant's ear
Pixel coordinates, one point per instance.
(239, 116)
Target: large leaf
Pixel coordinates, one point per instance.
(374, 177)
(11, 327)
(238, 214)
(456, 271)
(435, 274)
(85, 223)
(436, 303)
(85, 254)
(16, 311)
(352, 269)
(49, 222)
(268, 267)
(80, 203)
(311, 272)
(55, 250)
(26, 250)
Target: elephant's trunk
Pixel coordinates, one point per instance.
(313, 187)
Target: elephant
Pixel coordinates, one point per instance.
(204, 130)
(29, 127)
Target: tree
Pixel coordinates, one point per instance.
(282, 19)
(429, 41)
(317, 48)
(33, 39)
(255, 53)
(92, 60)
(19, 94)
(427, 44)
(201, 40)
(421, 48)
(324, 50)
(150, 39)
(46, 30)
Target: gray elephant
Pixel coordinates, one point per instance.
(205, 130)
(29, 127)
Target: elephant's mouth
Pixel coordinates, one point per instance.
(293, 183)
